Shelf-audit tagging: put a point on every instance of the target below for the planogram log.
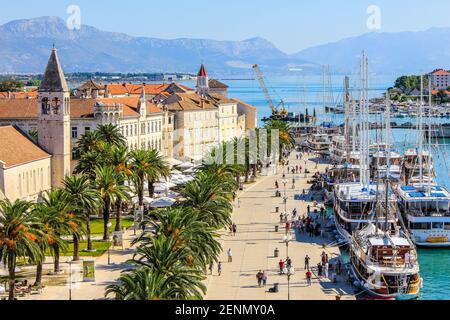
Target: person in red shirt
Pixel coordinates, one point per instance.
(281, 265)
(308, 277)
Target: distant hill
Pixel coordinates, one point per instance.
(389, 53)
(25, 47)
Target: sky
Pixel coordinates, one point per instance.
(292, 25)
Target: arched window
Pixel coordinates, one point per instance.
(44, 106)
(56, 105)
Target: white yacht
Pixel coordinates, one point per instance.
(426, 210)
(354, 205)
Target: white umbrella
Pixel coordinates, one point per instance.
(174, 162)
(175, 171)
(162, 203)
(186, 165)
(146, 199)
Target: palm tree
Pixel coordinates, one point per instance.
(111, 187)
(149, 284)
(158, 168)
(54, 219)
(89, 142)
(208, 196)
(18, 236)
(56, 211)
(111, 135)
(120, 159)
(86, 164)
(286, 139)
(139, 164)
(185, 227)
(84, 200)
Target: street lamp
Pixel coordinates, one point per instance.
(290, 272)
(109, 225)
(286, 240)
(284, 181)
(70, 280)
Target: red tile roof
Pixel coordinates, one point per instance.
(19, 95)
(16, 148)
(440, 72)
(244, 104)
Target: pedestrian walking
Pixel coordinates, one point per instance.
(219, 269)
(323, 257)
(319, 269)
(281, 265)
(234, 229)
(259, 276)
(230, 256)
(308, 277)
(308, 209)
(288, 263)
(211, 268)
(325, 270)
(307, 258)
(264, 279)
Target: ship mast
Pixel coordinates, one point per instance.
(323, 96)
(420, 132)
(330, 97)
(429, 136)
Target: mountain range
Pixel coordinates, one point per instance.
(25, 46)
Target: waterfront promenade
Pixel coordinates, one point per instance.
(254, 244)
(253, 250)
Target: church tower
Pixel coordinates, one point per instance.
(54, 119)
(202, 82)
(142, 104)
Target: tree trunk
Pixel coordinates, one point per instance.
(88, 231)
(12, 275)
(106, 221)
(38, 281)
(56, 258)
(118, 215)
(151, 189)
(76, 248)
(141, 191)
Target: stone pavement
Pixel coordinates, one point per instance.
(254, 244)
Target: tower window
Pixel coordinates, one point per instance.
(55, 105)
(45, 106)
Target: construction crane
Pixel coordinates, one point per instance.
(276, 112)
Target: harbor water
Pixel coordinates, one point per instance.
(298, 92)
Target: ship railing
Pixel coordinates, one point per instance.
(418, 213)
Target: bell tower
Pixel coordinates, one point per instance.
(202, 82)
(54, 119)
